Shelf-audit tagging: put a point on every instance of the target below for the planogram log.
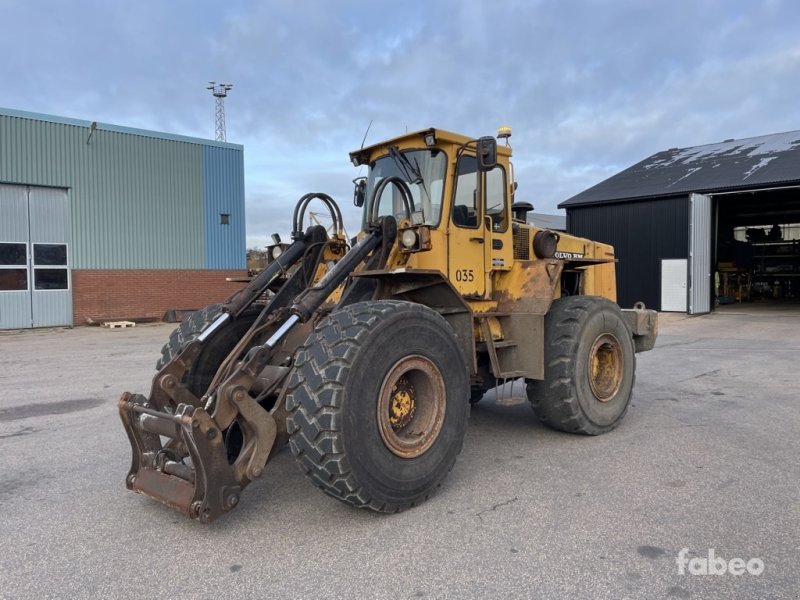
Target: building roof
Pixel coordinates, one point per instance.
(22, 114)
(750, 163)
(545, 221)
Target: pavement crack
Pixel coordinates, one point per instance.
(676, 344)
(494, 507)
(23, 431)
(701, 375)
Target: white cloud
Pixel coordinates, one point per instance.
(589, 87)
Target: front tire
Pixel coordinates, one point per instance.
(378, 404)
(589, 367)
(214, 351)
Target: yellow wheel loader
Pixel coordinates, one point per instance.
(366, 354)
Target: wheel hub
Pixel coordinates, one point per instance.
(605, 367)
(411, 406)
(402, 405)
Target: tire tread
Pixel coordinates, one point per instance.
(187, 332)
(554, 400)
(314, 422)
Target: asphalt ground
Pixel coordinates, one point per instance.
(707, 458)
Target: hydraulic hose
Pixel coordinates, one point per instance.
(300, 212)
(310, 300)
(405, 195)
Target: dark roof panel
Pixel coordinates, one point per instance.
(734, 164)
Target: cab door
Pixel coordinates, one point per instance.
(467, 239)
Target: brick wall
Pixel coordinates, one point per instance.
(101, 295)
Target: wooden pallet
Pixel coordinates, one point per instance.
(118, 324)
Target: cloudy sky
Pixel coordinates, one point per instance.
(589, 88)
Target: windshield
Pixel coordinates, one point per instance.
(422, 170)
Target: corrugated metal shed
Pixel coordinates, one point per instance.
(642, 233)
(138, 199)
(745, 164)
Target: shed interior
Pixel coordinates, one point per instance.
(757, 252)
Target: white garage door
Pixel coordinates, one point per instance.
(35, 282)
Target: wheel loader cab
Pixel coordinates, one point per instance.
(461, 195)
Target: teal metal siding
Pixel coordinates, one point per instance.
(137, 198)
(140, 207)
(223, 194)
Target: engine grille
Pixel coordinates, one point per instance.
(522, 243)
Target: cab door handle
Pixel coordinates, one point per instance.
(476, 239)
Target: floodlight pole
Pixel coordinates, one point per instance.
(220, 92)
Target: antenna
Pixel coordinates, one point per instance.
(220, 92)
(365, 134)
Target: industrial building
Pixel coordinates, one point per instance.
(701, 227)
(100, 222)
(546, 221)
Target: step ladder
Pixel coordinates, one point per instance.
(498, 357)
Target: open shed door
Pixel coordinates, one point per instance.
(673, 285)
(699, 254)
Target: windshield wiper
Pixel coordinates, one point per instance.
(411, 172)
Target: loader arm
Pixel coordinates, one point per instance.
(218, 444)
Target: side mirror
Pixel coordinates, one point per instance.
(487, 154)
(359, 191)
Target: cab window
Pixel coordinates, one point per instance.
(496, 206)
(466, 211)
(422, 170)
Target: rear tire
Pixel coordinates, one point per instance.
(378, 404)
(589, 367)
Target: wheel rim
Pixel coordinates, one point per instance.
(411, 406)
(605, 367)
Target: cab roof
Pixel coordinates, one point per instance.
(362, 156)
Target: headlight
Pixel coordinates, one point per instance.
(409, 238)
(276, 252)
(545, 243)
